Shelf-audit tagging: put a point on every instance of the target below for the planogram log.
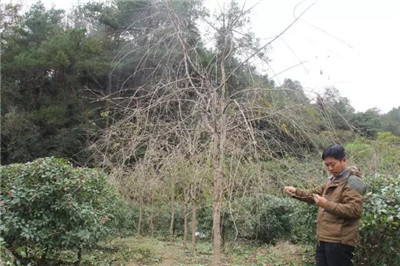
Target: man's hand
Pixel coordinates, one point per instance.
(290, 190)
(320, 201)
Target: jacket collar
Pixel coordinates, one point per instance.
(342, 176)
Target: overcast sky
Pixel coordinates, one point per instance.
(353, 45)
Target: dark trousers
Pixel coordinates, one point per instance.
(333, 254)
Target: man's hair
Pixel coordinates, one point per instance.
(334, 151)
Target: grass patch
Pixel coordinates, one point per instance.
(281, 254)
(151, 251)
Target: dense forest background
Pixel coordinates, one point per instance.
(66, 78)
(185, 131)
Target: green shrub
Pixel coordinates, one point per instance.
(262, 217)
(49, 205)
(275, 219)
(381, 155)
(380, 226)
(303, 222)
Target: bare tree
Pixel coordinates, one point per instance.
(198, 110)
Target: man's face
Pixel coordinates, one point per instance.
(335, 166)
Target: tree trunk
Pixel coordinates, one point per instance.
(151, 218)
(217, 193)
(108, 89)
(140, 221)
(217, 219)
(194, 229)
(223, 232)
(171, 226)
(185, 215)
(151, 224)
(79, 255)
(218, 147)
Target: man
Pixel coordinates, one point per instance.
(340, 203)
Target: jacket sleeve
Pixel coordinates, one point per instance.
(352, 199)
(307, 194)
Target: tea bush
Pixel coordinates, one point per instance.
(48, 205)
(262, 217)
(380, 225)
(303, 222)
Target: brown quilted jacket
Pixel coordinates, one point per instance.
(339, 221)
